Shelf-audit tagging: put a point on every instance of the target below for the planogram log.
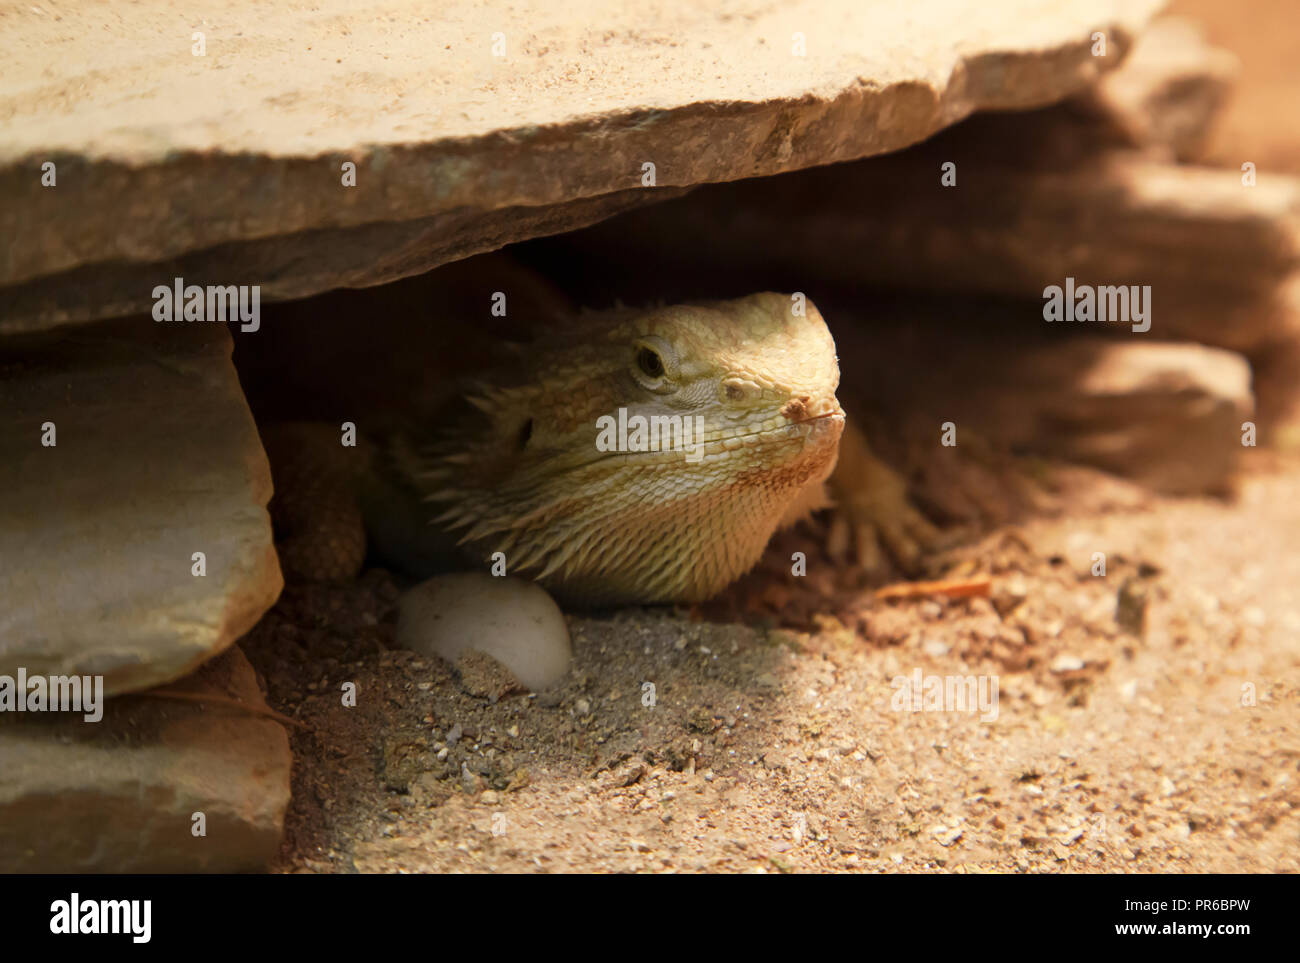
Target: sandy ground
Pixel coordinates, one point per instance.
(1171, 746)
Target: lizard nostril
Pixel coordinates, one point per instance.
(733, 391)
(798, 409)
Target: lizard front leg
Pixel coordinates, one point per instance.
(319, 531)
(873, 517)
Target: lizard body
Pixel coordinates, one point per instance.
(516, 464)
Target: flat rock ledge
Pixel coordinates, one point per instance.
(138, 544)
(125, 794)
(468, 131)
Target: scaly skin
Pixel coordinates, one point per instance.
(522, 473)
(518, 469)
(513, 465)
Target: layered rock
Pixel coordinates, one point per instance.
(1008, 205)
(182, 143)
(1168, 416)
(1222, 259)
(134, 537)
(191, 779)
(1169, 93)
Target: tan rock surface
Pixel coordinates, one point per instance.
(1170, 92)
(120, 795)
(1166, 415)
(1222, 259)
(160, 152)
(156, 458)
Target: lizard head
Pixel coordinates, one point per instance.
(643, 456)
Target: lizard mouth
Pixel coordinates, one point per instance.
(817, 425)
(823, 421)
(835, 413)
(814, 428)
(826, 423)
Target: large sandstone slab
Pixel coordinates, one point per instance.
(161, 153)
(120, 795)
(156, 458)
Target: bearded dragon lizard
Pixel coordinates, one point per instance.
(515, 462)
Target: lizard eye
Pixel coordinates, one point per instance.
(654, 365)
(648, 360)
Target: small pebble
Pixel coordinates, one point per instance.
(512, 620)
(1067, 663)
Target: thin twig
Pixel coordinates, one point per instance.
(977, 586)
(266, 711)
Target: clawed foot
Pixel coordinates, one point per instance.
(873, 522)
(877, 524)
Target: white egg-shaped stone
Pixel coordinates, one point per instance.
(514, 621)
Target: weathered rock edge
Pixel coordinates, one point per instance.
(155, 196)
(156, 458)
(120, 795)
